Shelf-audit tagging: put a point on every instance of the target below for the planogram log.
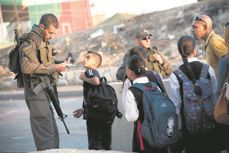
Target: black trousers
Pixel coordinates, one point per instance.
(201, 143)
(99, 135)
(222, 137)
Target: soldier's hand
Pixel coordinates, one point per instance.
(78, 113)
(60, 67)
(158, 58)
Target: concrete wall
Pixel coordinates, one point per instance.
(122, 130)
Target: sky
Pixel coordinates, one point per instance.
(111, 7)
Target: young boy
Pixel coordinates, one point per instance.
(99, 133)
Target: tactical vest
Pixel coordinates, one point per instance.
(152, 64)
(44, 50)
(43, 55)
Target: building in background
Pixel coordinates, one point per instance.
(73, 15)
(12, 14)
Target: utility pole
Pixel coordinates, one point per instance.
(1, 25)
(16, 13)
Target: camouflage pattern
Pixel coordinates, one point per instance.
(165, 70)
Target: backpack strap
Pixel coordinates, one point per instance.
(143, 86)
(161, 85)
(35, 37)
(139, 86)
(103, 80)
(181, 75)
(204, 71)
(141, 143)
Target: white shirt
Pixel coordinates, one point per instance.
(175, 96)
(130, 105)
(126, 85)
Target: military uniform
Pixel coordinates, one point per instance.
(36, 59)
(164, 69)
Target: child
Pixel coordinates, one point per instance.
(138, 51)
(136, 70)
(135, 51)
(192, 69)
(99, 133)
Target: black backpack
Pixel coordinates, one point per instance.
(14, 59)
(102, 103)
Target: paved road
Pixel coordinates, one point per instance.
(15, 132)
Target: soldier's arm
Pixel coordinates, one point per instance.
(166, 65)
(30, 64)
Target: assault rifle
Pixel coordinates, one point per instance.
(46, 84)
(17, 38)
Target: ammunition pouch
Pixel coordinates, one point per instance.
(39, 82)
(39, 87)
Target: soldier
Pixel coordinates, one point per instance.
(156, 61)
(36, 60)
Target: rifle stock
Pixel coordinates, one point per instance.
(56, 104)
(55, 101)
(17, 37)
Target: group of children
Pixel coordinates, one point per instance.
(99, 133)
(132, 102)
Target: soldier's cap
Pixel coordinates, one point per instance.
(141, 34)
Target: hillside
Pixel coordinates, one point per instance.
(114, 40)
(115, 36)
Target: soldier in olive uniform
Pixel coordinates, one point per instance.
(156, 61)
(36, 60)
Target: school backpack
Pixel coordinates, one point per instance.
(14, 59)
(102, 103)
(197, 110)
(159, 127)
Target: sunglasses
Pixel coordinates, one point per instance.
(146, 38)
(197, 18)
